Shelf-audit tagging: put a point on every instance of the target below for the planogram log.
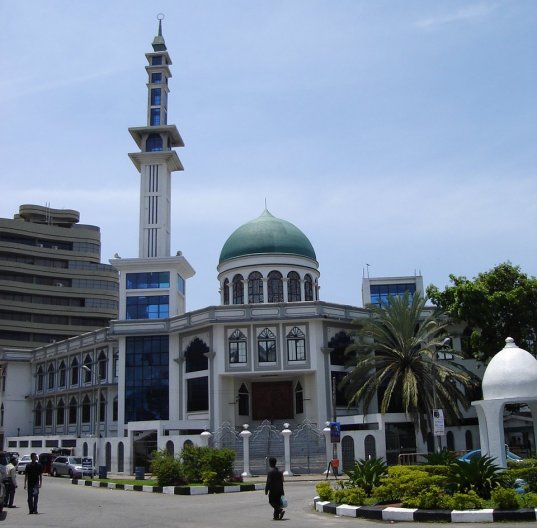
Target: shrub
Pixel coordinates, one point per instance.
(197, 459)
(405, 481)
(443, 458)
(465, 501)
(352, 496)
(505, 498)
(167, 469)
(209, 478)
(325, 491)
(529, 500)
(527, 473)
(432, 498)
(479, 474)
(366, 474)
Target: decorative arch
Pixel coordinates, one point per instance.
(293, 287)
(275, 287)
(73, 410)
(60, 412)
(40, 376)
(108, 456)
(308, 287)
(255, 288)
(170, 448)
(38, 415)
(196, 356)
(87, 371)
(469, 440)
(347, 452)
(450, 440)
(244, 401)
(86, 409)
(370, 447)
(49, 411)
(238, 289)
(85, 449)
(74, 371)
(226, 291)
(120, 457)
(50, 376)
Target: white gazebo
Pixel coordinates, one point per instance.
(510, 377)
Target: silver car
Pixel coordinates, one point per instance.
(74, 467)
(21, 464)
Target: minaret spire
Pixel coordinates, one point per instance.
(156, 159)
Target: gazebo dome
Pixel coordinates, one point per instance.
(511, 373)
(267, 234)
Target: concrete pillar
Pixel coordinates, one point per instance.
(204, 438)
(328, 445)
(286, 433)
(246, 450)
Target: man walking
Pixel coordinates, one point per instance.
(274, 488)
(33, 478)
(11, 482)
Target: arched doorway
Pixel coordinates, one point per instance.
(347, 452)
(370, 447)
(120, 457)
(108, 456)
(170, 447)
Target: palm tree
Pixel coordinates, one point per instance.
(395, 352)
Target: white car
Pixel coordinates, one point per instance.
(21, 465)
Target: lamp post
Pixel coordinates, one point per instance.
(96, 417)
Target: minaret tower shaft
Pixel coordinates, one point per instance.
(156, 160)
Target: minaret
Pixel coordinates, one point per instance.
(156, 159)
(153, 286)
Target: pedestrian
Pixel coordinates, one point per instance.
(274, 489)
(33, 478)
(11, 483)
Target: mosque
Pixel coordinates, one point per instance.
(269, 356)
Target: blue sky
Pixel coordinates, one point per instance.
(402, 135)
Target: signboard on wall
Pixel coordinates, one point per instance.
(335, 432)
(438, 422)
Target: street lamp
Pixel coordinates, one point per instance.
(96, 417)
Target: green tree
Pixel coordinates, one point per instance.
(497, 304)
(394, 355)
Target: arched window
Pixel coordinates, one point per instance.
(60, 413)
(308, 287)
(102, 365)
(469, 440)
(293, 287)
(275, 287)
(62, 375)
(74, 372)
(40, 377)
(153, 143)
(108, 456)
(296, 345)
(196, 356)
(85, 449)
(237, 347)
(115, 409)
(87, 369)
(238, 289)
(120, 457)
(48, 413)
(86, 410)
(299, 398)
(102, 409)
(72, 410)
(170, 448)
(50, 372)
(2, 415)
(347, 452)
(450, 439)
(255, 288)
(226, 291)
(338, 344)
(38, 412)
(244, 401)
(266, 346)
(370, 447)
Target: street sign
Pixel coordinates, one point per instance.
(438, 422)
(335, 432)
(87, 463)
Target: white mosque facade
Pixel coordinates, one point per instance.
(269, 353)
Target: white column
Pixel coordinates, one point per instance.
(286, 433)
(328, 445)
(204, 438)
(265, 290)
(246, 450)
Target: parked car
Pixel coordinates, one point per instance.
(476, 453)
(74, 467)
(21, 465)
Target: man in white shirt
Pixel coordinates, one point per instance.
(11, 483)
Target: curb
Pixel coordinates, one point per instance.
(389, 513)
(171, 490)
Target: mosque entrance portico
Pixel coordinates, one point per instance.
(272, 400)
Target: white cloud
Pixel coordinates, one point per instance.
(469, 12)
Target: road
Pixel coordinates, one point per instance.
(63, 505)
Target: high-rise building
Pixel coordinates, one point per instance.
(52, 283)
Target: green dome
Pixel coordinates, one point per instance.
(267, 234)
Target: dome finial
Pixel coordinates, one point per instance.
(510, 342)
(158, 41)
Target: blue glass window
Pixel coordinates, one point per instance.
(157, 60)
(155, 116)
(147, 378)
(197, 394)
(153, 143)
(381, 292)
(196, 356)
(148, 307)
(181, 286)
(155, 96)
(142, 281)
(156, 78)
